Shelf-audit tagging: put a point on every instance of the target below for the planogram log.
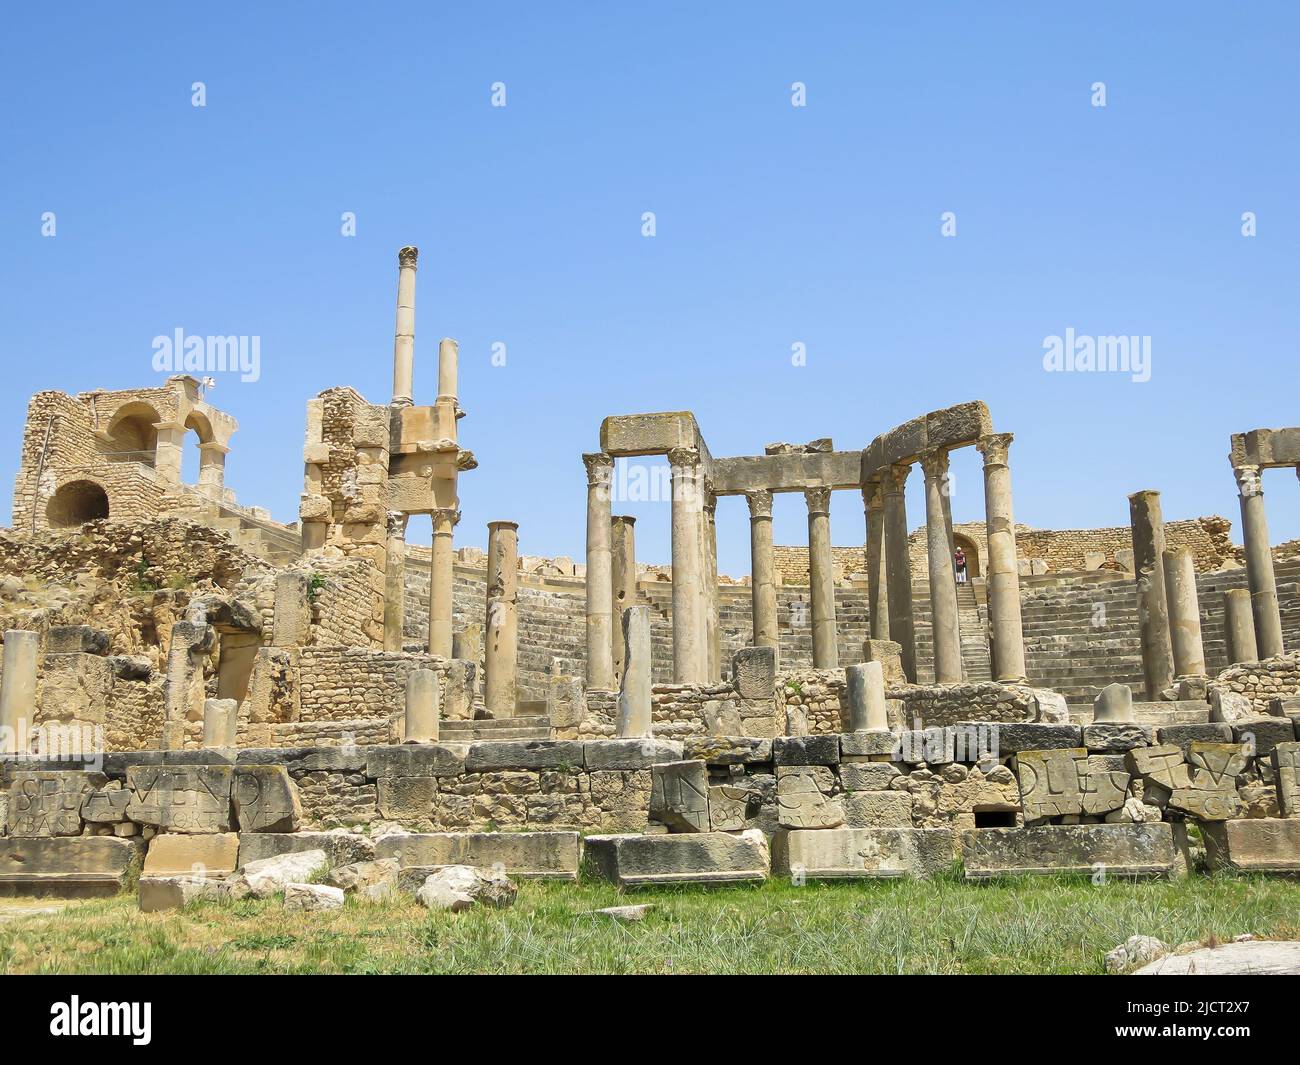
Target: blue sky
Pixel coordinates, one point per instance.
(776, 225)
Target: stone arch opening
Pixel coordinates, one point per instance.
(133, 436)
(972, 552)
(75, 504)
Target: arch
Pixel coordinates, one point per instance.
(76, 503)
(972, 551)
(133, 434)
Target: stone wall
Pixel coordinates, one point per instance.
(1262, 682)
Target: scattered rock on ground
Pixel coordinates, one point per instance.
(458, 887)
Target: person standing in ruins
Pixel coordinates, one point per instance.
(959, 562)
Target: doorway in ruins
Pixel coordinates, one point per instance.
(75, 504)
(971, 549)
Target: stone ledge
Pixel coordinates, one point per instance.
(1115, 850)
(686, 858)
(528, 855)
(866, 853)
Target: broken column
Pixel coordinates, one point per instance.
(442, 581)
(501, 640)
(873, 502)
(1002, 570)
(183, 693)
(898, 567)
(220, 723)
(634, 706)
(943, 581)
(1239, 626)
(394, 587)
(421, 707)
(1259, 562)
(600, 579)
(404, 337)
(690, 652)
(762, 568)
(623, 585)
(1184, 612)
(1153, 611)
(18, 689)
(865, 686)
(821, 579)
(1113, 705)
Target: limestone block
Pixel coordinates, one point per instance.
(67, 866)
(214, 854)
(340, 846)
(1230, 706)
(566, 701)
(265, 877)
(1115, 850)
(1286, 768)
(1221, 762)
(863, 852)
(181, 798)
(877, 809)
(1050, 707)
(727, 750)
(373, 880)
(728, 807)
(1116, 736)
(265, 799)
(526, 855)
(684, 858)
(804, 797)
(311, 897)
(1262, 734)
(1013, 737)
(407, 798)
(76, 639)
(1113, 705)
(1049, 782)
(679, 796)
(1162, 765)
(106, 805)
(637, 753)
(413, 760)
(1104, 784)
(1183, 735)
(490, 757)
(1246, 958)
(160, 893)
(49, 803)
(807, 750)
(1253, 845)
(868, 776)
(459, 887)
(874, 743)
(753, 672)
(890, 656)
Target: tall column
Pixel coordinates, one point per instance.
(712, 628)
(404, 337)
(1259, 562)
(448, 368)
(442, 581)
(1239, 626)
(943, 581)
(690, 652)
(501, 638)
(1184, 612)
(1001, 568)
(600, 576)
(898, 567)
(623, 555)
(212, 469)
(1153, 610)
(821, 579)
(18, 689)
(873, 499)
(634, 697)
(762, 568)
(394, 586)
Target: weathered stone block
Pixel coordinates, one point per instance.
(697, 857)
(1286, 767)
(1262, 734)
(413, 760)
(873, 743)
(1253, 845)
(1114, 850)
(489, 756)
(863, 852)
(407, 798)
(877, 809)
(529, 855)
(1049, 782)
(804, 797)
(753, 672)
(807, 750)
(868, 776)
(181, 798)
(342, 848)
(640, 753)
(265, 799)
(679, 796)
(48, 803)
(728, 807)
(727, 750)
(1184, 735)
(67, 866)
(213, 854)
(1162, 765)
(1116, 736)
(106, 805)
(1014, 737)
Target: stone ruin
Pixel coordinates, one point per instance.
(189, 689)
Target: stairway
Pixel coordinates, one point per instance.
(532, 727)
(972, 624)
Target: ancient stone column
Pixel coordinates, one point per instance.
(762, 568)
(404, 338)
(712, 628)
(873, 502)
(1153, 611)
(212, 469)
(448, 368)
(634, 706)
(690, 651)
(600, 575)
(1002, 569)
(866, 697)
(442, 581)
(821, 579)
(220, 722)
(394, 586)
(898, 567)
(1184, 612)
(501, 639)
(169, 451)
(1239, 626)
(18, 689)
(1259, 562)
(623, 586)
(943, 581)
(421, 707)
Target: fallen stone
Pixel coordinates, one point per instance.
(679, 796)
(264, 878)
(685, 858)
(1136, 950)
(627, 913)
(458, 887)
(372, 880)
(340, 846)
(1253, 845)
(1251, 958)
(312, 897)
(158, 893)
(67, 866)
(526, 855)
(1230, 706)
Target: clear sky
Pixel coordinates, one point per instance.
(775, 226)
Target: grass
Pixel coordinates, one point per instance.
(1031, 925)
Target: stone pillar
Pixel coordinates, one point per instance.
(712, 628)
(1259, 562)
(1113, 704)
(821, 579)
(212, 469)
(404, 338)
(865, 690)
(1153, 610)
(448, 368)
(600, 576)
(873, 499)
(623, 585)
(394, 586)
(943, 581)
(1002, 568)
(762, 569)
(291, 623)
(421, 707)
(898, 567)
(634, 705)
(220, 722)
(1239, 626)
(501, 640)
(1184, 612)
(18, 689)
(442, 581)
(169, 451)
(690, 651)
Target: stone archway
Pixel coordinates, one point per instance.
(76, 503)
(972, 550)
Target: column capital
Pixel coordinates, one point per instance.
(894, 478)
(600, 468)
(934, 462)
(396, 523)
(682, 457)
(407, 257)
(873, 494)
(1248, 481)
(710, 503)
(994, 448)
(622, 519)
(819, 500)
(760, 503)
(447, 517)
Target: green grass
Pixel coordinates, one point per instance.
(1031, 925)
